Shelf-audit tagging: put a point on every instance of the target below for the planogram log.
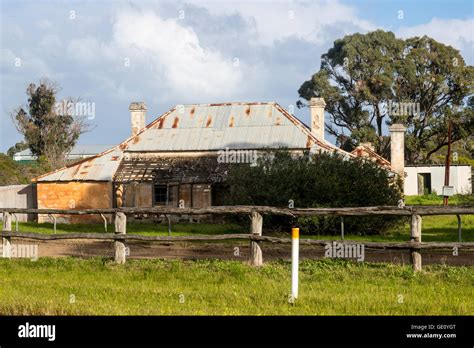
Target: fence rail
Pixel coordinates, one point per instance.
(196, 238)
(120, 237)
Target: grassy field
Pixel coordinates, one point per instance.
(435, 229)
(433, 199)
(97, 286)
(142, 228)
(67, 286)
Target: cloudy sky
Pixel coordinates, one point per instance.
(179, 52)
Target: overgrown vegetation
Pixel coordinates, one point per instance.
(13, 173)
(321, 180)
(67, 286)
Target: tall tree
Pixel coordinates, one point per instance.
(375, 78)
(49, 134)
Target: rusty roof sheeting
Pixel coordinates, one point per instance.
(212, 127)
(98, 168)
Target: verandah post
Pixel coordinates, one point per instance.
(120, 247)
(256, 258)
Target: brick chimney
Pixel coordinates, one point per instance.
(316, 106)
(397, 148)
(137, 113)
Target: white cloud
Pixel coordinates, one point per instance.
(164, 52)
(7, 59)
(458, 33)
(176, 51)
(303, 19)
(44, 24)
(51, 43)
(87, 50)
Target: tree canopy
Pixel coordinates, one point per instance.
(373, 79)
(48, 134)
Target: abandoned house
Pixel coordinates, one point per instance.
(173, 160)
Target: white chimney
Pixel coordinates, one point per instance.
(316, 106)
(137, 113)
(397, 148)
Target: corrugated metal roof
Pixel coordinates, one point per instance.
(212, 127)
(98, 168)
(202, 127)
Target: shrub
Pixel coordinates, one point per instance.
(321, 180)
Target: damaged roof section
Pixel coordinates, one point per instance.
(99, 168)
(368, 153)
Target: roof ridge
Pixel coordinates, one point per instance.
(230, 103)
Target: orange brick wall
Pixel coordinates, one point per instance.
(74, 195)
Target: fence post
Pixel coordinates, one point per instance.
(7, 241)
(415, 237)
(459, 227)
(120, 228)
(295, 255)
(256, 258)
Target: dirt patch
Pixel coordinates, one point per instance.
(230, 251)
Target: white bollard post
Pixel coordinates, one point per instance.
(295, 250)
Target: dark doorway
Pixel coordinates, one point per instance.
(424, 183)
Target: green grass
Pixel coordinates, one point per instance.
(434, 229)
(213, 287)
(434, 199)
(142, 228)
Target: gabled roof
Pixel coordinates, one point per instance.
(202, 127)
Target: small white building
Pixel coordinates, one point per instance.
(77, 152)
(429, 178)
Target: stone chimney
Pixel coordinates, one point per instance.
(397, 148)
(137, 113)
(316, 106)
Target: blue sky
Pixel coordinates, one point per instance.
(166, 53)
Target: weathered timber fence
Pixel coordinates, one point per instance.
(120, 237)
